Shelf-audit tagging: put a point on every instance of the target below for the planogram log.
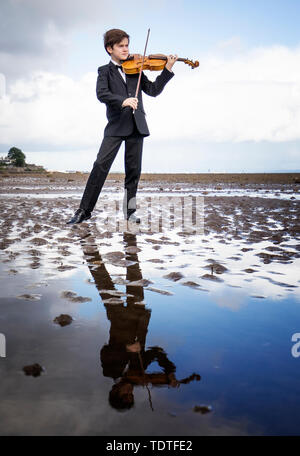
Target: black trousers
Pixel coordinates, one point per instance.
(107, 153)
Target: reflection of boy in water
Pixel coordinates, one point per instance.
(127, 338)
(124, 356)
(121, 395)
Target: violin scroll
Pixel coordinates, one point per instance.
(191, 63)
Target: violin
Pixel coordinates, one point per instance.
(136, 63)
(154, 62)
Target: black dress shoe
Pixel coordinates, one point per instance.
(133, 218)
(80, 216)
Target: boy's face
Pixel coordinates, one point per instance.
(126, 393)
(119, 51)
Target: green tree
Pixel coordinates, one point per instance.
(16, 156)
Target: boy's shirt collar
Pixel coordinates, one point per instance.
(115, 63)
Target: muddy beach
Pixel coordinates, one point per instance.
(68, 182)
(192, 323)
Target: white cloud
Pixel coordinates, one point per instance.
(41, 35)
(252, 97)
(52, 109)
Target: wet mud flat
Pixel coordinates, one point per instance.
(176, 329)
(69, 182)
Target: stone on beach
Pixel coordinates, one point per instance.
(65, 267)
(73, 297)
(33, 369)
(191, 284)
(63, 319)
(175, 276)
(217, 268)
(202, 409)
(132, 249)
(30, 297)
(114, 256)
(39, 241)
(211, 277)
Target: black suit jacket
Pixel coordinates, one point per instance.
(112, 90)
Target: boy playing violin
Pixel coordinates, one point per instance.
(126, 122)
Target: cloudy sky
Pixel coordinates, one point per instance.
(238, 112)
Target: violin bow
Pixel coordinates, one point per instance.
(144, 381)
(140, 75)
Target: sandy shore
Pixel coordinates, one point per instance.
(266, 208)
(68, 183)
(191, 178)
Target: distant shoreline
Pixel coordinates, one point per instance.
(193, 178)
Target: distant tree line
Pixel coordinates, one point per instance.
(15, 157)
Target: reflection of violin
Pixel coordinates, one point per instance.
(154, 62)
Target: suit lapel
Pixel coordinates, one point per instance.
(131, 80)
(116, 71)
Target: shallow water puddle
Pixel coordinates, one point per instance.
(179, 330)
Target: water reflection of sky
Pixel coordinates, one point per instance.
(234, 332)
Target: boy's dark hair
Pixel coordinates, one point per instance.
(118, 402)
(114, 36)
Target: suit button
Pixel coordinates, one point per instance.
(129, 93)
